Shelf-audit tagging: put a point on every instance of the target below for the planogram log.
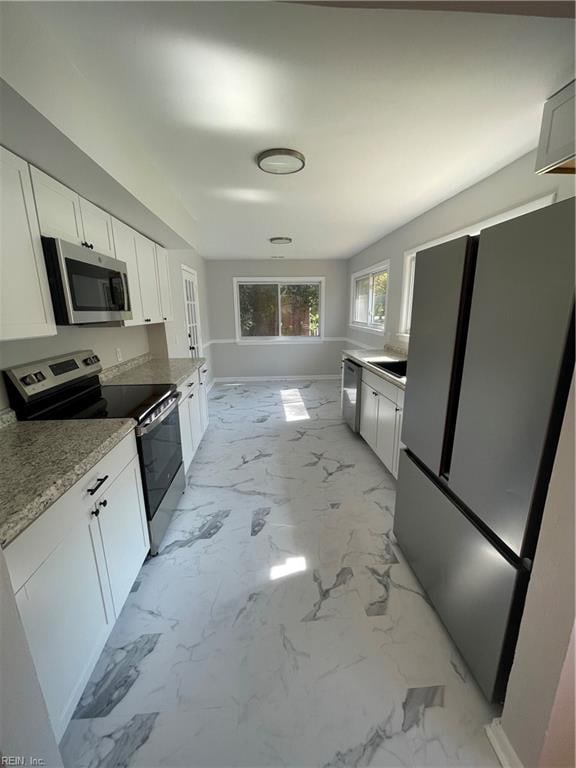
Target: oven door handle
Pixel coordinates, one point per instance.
(148, 425)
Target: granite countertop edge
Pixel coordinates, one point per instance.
(19, 521)
(158, 370)
(359, 356)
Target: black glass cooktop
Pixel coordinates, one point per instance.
(110, 401)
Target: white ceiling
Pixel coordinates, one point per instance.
(394, 110)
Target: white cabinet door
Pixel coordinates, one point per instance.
(397, 441)
(195, 419)
(369, 415)
(97, 226)
(122, 521)
(203, 395)
(386, 432)
(125, 249)
(25, 303)
(163, 272)
(58, 208)
(186, 434)
(146, 256)
(64, 613)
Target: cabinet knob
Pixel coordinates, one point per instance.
(164, 318)
(103, 503)
(147, 319)
(95, 512)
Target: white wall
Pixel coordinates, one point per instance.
(230, 359)
(549, 612)
(508, 188)
(104, 341)
(38, 68)
(25, 728)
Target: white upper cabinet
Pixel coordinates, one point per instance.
(146, 256)
(556, 149)
(25, 303)
(58, 208)
(163, 272)
(97, 226)
(125, 248)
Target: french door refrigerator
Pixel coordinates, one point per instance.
(490, 363)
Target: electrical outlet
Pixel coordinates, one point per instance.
(118, 354)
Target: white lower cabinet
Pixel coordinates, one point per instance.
(369, 415)
(67, 618)
(204, 418)
(185, 434)
(193, 415)
(381, 420)
(124, 531)
(72, 570)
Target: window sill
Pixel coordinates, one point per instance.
(281, 340)
(367, 329)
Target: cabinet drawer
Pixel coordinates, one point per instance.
(381, 385)
(190, 385)
(26, 553)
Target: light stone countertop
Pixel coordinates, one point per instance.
(364, 356)
(167, 370)
(41, 460)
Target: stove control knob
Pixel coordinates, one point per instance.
(87, 361)
(40, 376)
(95, 359)
(29, 379)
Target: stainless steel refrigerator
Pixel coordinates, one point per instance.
(489, 368)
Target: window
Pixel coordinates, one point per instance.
(279, 309)
(473, 229)
(369, 298)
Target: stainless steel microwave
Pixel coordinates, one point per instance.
(86, 286)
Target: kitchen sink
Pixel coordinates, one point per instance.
(395, 368)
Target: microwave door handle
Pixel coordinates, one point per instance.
(126, 293)
(117, 290)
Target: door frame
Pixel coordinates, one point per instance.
(189, 273)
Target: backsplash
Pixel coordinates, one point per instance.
(107, 343)
(114, 370)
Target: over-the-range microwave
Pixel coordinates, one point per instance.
(86, 286)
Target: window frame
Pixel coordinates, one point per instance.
(237, 281)
(472, 230)
(370, 327)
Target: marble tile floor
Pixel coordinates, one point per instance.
(279, 625)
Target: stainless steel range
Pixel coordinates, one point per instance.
(67, 387)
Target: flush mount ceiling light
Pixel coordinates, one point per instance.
(280, 240)
(280, 161)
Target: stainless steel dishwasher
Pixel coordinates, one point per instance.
(351, 391)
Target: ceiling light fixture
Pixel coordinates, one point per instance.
(280, 240)
(280, 161)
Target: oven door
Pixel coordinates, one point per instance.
(90, 287)
(160, 453)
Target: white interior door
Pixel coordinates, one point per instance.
(192, 311)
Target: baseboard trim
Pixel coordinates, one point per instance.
(313, 377)
(501, 745)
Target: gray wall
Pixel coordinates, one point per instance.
(230, 359)
(549, 612)
(104, 341)
(512, 186)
